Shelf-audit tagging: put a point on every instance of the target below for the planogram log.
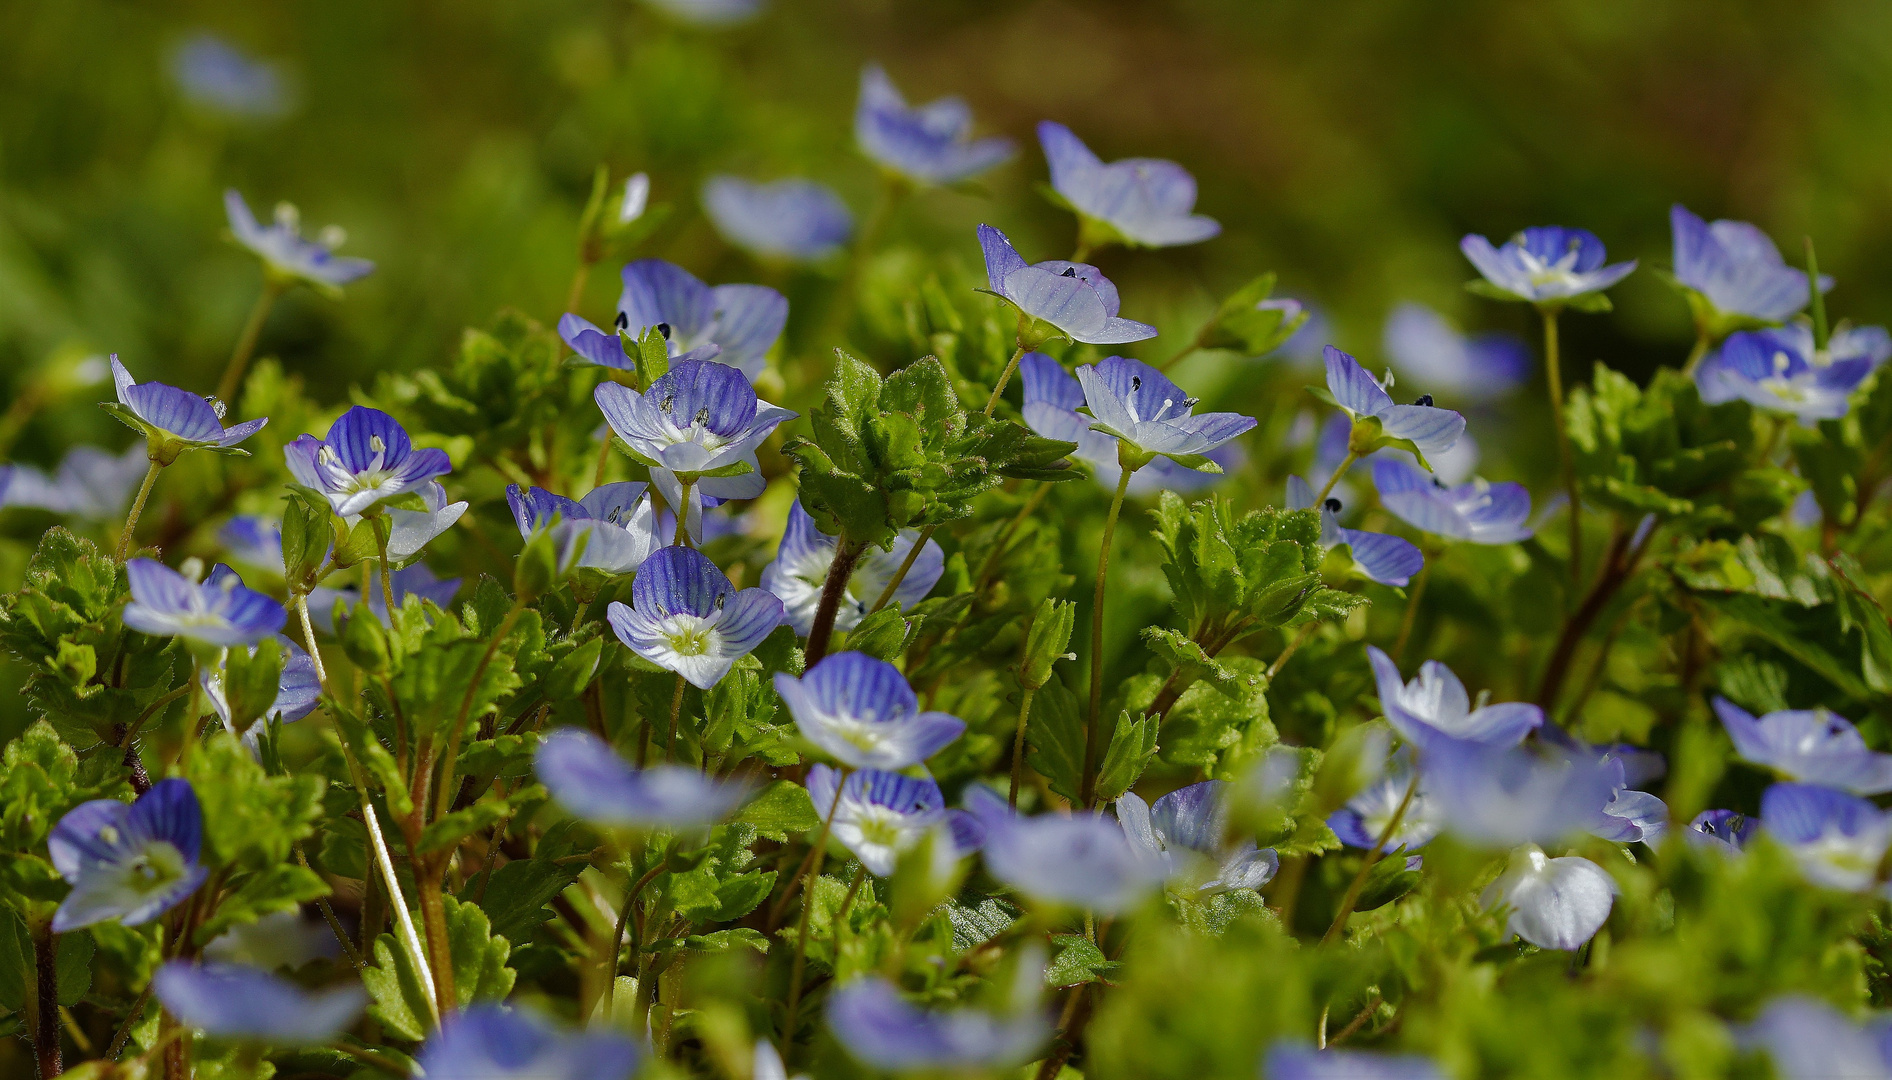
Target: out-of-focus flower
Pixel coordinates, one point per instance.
(296, 696)
(1150, 416)
(876, 1025)
(1435, 706)
(1430, 351)
(1766, 369)
(1480, 511)
(229, 1001)
(1063, 298)
(1366, 816)
(1502, 797)
(281, 939)
(1839, 840)
(1871, 343)
(877, 815)
(1721, 830)
(1420, 428)
(1187, 832)
(793, 219)
(1305, 1063)
(492, 1042)
(219, 611)
(213, 74)
(619, 527)
(173, 421)
(1813, 746)
(90, 484)
(1811, 1040)
(1144, 202)
(1548, 265)
(418, 579)
(289, 257)
(801, 566)
(929, 144)
(1082, 859)
(1734, 274)
(130, 863)
(687, 617)
(366, 458)
(589, 779)
(1552, 903)
(863, 714)
(1381, 557)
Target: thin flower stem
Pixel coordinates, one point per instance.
(1093, 733)
(1553, 372)
(1018, 742)
(682, 539)
(617, 936)
(676, 710)
(117, 1045)
(604, 460)
(1004, 540)
(137, 508)
(399, 903)
(581, 276)
(1412, 607)
(382, 527)
(814, 853)
(998, 389)
(1299, 639)
(334, 924)
(1359, 1020)
(900, 574)
(308, 638)
(1340, 471)
(447, 788)
(801, 942)
(1366, 865)
(246, 342)
(1181, 354)
(1695, 355)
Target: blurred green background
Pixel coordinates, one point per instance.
(1346, 146)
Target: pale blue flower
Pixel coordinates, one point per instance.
(589, 779)
(860, 711)
(1432, 352)
(1080, 859)
(1435, 705)
(1480, 511)
(216, 75)
(1844, 343)
(1149, 416)
(1552, 903)
(800, 568)
(1839, 840)
(1146, 202)
(875, 814)
(876, 1025)
(1420, 427)
(1722, 830)
(218, 611)
(1288, 1062)
(733, 324)
(1366, 816)
(1812, 746)
(173, 421)
(617, 521)
(1380, 557)
(1074, 299)
(1547, 265)
(1810, 1040)
(130, 863)
(366, 458)
(1187, 832)
(929, 144)
(1736, 270)
(1497, 796)
(297, 692)
(286, 254)
(229, 1001)
(791, 219)
(1767, 369)
(90, 483)
(1052, 398)
(686, 617)
(491, 1042)
(418, 580)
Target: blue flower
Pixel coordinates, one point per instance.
(1548, 265)
(297, 690)
(862, 713)
(1081, 859)
(1419, 428)
(1502, 797)
(1286, 1062)
(173, 421)
(1479, 511)
(130, 863)
(229, 1001)
(1427, 349)
(365, 459)
(1065, 298)
(1736, 271)
(1632, 817)
(714, 13)
(254, 541)
(1871, 343)
(1721, 830)
(1435, 705)
(1552, 903)
(1187, 832)
(1149, 416)
(589, 779)
(418, 579)
(929, 144)
(1145, 202)
(699, 418)
(1386, 559)
(1811, 1040)
(1839, 840)
(686, 617)
(1812, 746)
(1366, 815)
(794, 219)
(877, 815)
(216, 75)
(287, 257)
(91, 484)
(876, 1024)
(1767, 369)
(734, 324)
(491, 1042)
(801, 567)
(1052, 398)
(220, 611)
(617, 521)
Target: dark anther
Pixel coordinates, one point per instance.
(1332, 504)
(664, 329)
(669, 400)
(721, 599)
(622, 322)
(1424, 399)
(702, 415)
(1070, 271)
(1136, 383)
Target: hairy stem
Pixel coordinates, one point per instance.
(137, 508)
(428, 882)
(1093, 732)
(833, 590)
(617, 936)
(998, 388)
(676, 710)
(246, 342)
(45, 1001)
(1018, 742)
(900, 572)
(1339, 471)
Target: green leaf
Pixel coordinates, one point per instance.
(250, 818)
(479, 972)
(1186, 656)
(517, 899)
(1078, 961)
(251, 682)
(782, 810)
(447, 832)
(284, 887)
(1132, 745)
(731, 940)
(883, 635)
(1056, 736)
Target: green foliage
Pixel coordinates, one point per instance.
(251, 819)
(400, 997)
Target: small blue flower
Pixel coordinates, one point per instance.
(700, 417)
(1552, 903)
(712, 13)
(1069, 299)
(1435, 705)
(297, 692)
(91, 484)
(863, 714)
(365, 458)
(254, 541)
(492, 1042)
(229, 1001)
(1380, 557)
(1479, 511)
(1187, 832)
(801, 567)
(1081, 859)
(173, 421)
(1767, 369)
(215, 75)
(1420, 428)
(589, 779)
(877, 815)
(1811, 1040)
(1366, 815)
(733, 324)
(1502, 797)
(1287, 1062)
(1631, 817)
(1052, 398)
(1736, 271)
(286, 255)
(929, 144)
(686, 617)
(1871, 343)
(418, 579)
(130, 863)
(794, 219)
(1430, 351)
(1839, 840)
(1145, 202)
(1547, 265)
(876, 1025)
(1721, 830)
(1149, 416)
(220, 611)
(1812, 746)
(617, 521)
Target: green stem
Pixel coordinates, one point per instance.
(604, 460)
(1702, 345)
(617, 938)
(814, 853)
(1412, 606)
(246, 342)
(1011, 529)
(1005, 376)
(447, 788)
(1300, 638)
(1093, 732)
(801, 947)
(1339, 471)
(137, 508)
(900, 574)
(1366, 865)
(1018, 742)
(1553, 371)
(1180, 354)
(682, 539)
(382, 528)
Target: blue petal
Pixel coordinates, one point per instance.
(1353, 389)
(656, 292)
(233, 1002)
(677, 580)
(596, 346)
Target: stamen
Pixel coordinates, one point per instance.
(377, 444)
(1069, 271)
(702, 415)
(1424, 399)
(1136, 383)
(664, 329)
(721, 599)
(1332, 505)
(669, 400)
(622, 322)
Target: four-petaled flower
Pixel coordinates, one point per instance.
(1548, 265)
(220, 610)
(875, 814)
(1839, 840)
(1364, 819)
(130, 863)
(491, 1042)
(1435, 705)
(1052, 398)
(1150, 416)
(1187, 831)
(1082, 859)
(1812, 746)
(1552, 903)
(173, 421)
(296, 693)
(231, 1001)
(589, 779)
(1057, 297)
(1420, 428)
(733, 324)
(801, 566)
(616, 520)
(863, 714)
(417, 580)
(1734, 274)
(365, 459)
(1809, 1039)
(90, 483)
(879, 1027)
(793, 219)
(1726, 831)
(1145, 202)
(685, 616)
(289, 257)
(1479, 511)
(1767, 369)
(1380, 557)
(1494, 796)
(1429, 350)
(928, 144)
